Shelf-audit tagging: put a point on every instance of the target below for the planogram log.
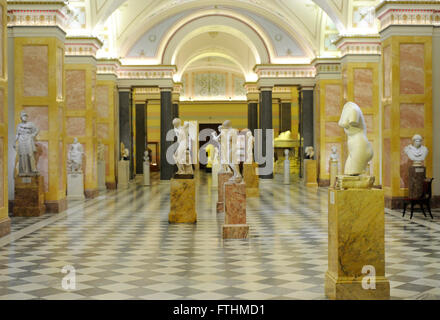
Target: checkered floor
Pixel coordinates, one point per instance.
(122, 247)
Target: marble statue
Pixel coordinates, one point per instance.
(26, 134)
(228, 137)
(75, 157)
(416, 151)
(360, 150)
(216, 138)
(310, 152)
(250, 140)
(182, 154)
(334, 155)
(126, 154)
(146, 157)
(101, 152)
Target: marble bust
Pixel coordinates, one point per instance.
(334, 155)
(310, 152)
(75, 157)
(146, 157)
(360, 150)
(181, 156)
(416, 151)
(250, 140)
(25, 138)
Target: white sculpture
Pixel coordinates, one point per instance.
(360, 150)
(26, 133)
(126, 154)
(101, 152)
(182, 154)
(224, 168)
(416, 151)
(310, 152)
(250, 140)
(75, 157)
(146, 157)
(229, 150)
(334, 155)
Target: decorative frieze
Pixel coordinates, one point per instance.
(82, 46)
(359, 45)
(107, 66)
(146, 72)
(285, 71)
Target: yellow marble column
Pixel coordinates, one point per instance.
(5, 222)
(81, 111)
(406, 91)
(329, 103)
(39, 89)
(106, 106)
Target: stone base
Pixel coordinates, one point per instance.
(356, 229)
(56, 206)
(183, 201)
(250, 176)
(310, 173)
(5, 227)
(235, 231)
(101, 176)
(111, 185)
(323, 183)
(215, 171)
(252, 192)
(146, 177)
(353, 290)
(91, 194)
(334, 172)
(75, 186)
(29, 197)
(416, 177)
(394, 203)
(123, 174)
(222, 179)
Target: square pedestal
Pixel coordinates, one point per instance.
(356, 232)
(183, 201)
(75, 186)
(416, 177)
(235, 226)
(101, 176)
(222, 179)
(334, 172)
(29, 197)
(147, 181)
(123, 174)
(310, 173)
(215, 171)
(252, 180)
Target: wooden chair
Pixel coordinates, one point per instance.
(424, 200)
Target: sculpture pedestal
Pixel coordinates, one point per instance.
(222, 179)
(286, 172)
(416, 177)
(147, 181)
(310, 173)
(101, 176)
(183, 200)
(235, 226)
(29, 197)
(75, 186)
(356, 229)
(123, 174)
(334, 172)
(251, 180)
(215, 171)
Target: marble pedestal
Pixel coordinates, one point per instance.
(215, 171)
(29, 197)
(101, 176)
(183, 200)
(416, 177)
(356, 229)
(123, 174)
(310, 173)
(334, 172)
(251, 180)
(147, 181)
(235, 226)
(286, 179)
(75, 186)
(222, 179)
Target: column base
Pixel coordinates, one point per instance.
(394, 203)
(183, 201)
(310, 173)
(56, 206)
(351, 289)
(91, 194)
(5, 227)
(29, 197)
(235, 231)
(111, 185)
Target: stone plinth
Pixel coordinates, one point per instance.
(29, 197)
(310, 173)
(235, 226)
(215, 171)
(183, 200)
(101, 176)
(252, 180)
(123, 174)
(222, 179)
(147, 181)
(356, 228)
(334, 172)
(416, 177)
(75, 186)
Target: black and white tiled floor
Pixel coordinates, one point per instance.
(122, 247)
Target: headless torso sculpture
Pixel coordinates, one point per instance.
(26, 133)
(182, 154)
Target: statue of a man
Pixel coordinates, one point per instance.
(181, 156)
(416, 151)
(229, 150)
(334, 155)
(75, 157)
(249, 147)
(26, 133)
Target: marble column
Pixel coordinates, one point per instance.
(125, 119)
(166, 124)
(141, 136)
(175, 110)
(285, 116)
(266, 123)
(252, 116)
(307, 120)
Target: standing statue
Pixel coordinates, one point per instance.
(360, 150)
(310, 152)
(250, 140)
(224, 168)
(75, 157)
(229, 150)
(416, 151)
(101, 152)
(26, 134)
(182, 154)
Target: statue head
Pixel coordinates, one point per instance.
(417, 141)
(75, 140)
(177, 123)
(227, 124)
(286, 153)
(334, 150)
(24, 116)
